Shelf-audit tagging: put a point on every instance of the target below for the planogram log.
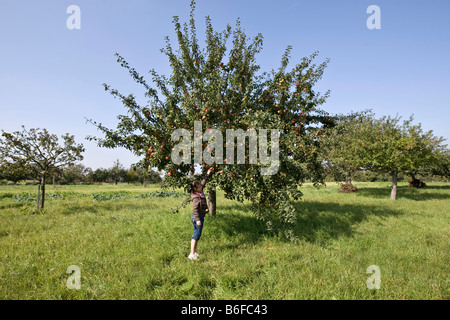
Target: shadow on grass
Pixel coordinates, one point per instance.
(11, 205)
(103, 207)
(234, 221)
(75, 208)
(317, 222)
(440, 187)
(407, 193)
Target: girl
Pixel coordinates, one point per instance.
(200, 209)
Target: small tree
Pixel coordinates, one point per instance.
(131, 176)
(14, 172)
(386, 145)
(344, 149)
(442, 169)
(146, 175)
(390, 146)
(100, 175)
(117, 172)
(75, 174)
(39, 152)
(429, 152)
(396, 147)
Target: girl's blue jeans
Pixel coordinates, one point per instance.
(197, 229)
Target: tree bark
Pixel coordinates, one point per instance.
(212, 200)
(348, 179)
(41, 193)
(394, 185)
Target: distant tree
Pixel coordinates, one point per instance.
(138, 173)
(131, 176)
(88, 176)
(442, 169)
(386, 145)
(429, 153)
(117, 172)
(100, 175)
(389, 145)
(147, 175)
(14, 172)
(396, 147)
(344, 149)
(38, 151)
(75, 174)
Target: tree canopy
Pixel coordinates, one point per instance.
(38, 153)
(385, 144)
(225, 89)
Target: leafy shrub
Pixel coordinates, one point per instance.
(417, 184)
(161, 194)
(6, 195)
(113, 196)
(348, 188)
(24, 197)
(107, 196)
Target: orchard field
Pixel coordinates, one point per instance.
(128, 245)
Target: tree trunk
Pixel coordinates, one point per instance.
(41, 193)
(394, 185)
(348, 179)
(212, 200)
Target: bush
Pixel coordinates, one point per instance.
(348, 188)
(6, 195)
(416, 183)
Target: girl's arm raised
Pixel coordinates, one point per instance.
(205, 179)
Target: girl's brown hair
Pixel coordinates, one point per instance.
(194, 186)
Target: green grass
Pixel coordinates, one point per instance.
(134, 248)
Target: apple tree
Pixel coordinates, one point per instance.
(39, 153)
(345, 148)
(392, 146)
(222, 88)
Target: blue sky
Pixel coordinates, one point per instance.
(51, 77)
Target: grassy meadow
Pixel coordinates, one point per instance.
(130, 246)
